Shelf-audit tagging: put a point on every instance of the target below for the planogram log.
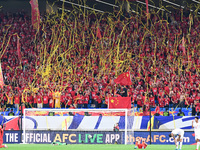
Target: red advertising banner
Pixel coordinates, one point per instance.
(35, 14)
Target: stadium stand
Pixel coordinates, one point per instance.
(72, 63)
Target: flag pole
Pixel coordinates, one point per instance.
(150, 123)
(108, 102)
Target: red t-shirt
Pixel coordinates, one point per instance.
(69, 100)
(161, 102)
(45, 99)
(86, 99)
(29, 99)
(1, 134)
(35, 100)
(62, 99)
(157, 110)
(80, 99)
(154, 91)
(167, 101)
(139, 102)
(51, 103)
(17, 99)
(140, 146)
(39, 99)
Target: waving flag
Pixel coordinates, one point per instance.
(124, 79)
(119, 102)
(147, 7)
(99, 33)
(35, 14)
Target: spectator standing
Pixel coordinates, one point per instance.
(180, 113)
(17, 101)
(45, 100)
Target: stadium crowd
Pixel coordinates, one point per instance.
(72, 62)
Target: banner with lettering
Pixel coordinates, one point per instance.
(94, 137)
(74, 137)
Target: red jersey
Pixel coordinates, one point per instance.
(45, 99)
(51, 103)
(39, 99)
(97, 98)
(17, 100)
(69, 100)
(161, 102)
(140, 146)
(86, 99)
(106, 100)
(154, 91)
(1, 134)
(80, 99)
(63, 99)
(29, 99)
(139, 101)
(167, 101)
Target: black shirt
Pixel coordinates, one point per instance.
(124, 92)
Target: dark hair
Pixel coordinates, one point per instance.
(170, 135)
(197, 118)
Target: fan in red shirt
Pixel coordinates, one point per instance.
(45, 101)
(1, 137)
(157, 110)
(80, 100)
(69, 100)
(86, 100)
(63, 100)
(17, 101)
(152, 100)
(143, 145)
(97, 100)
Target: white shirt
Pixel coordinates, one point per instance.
(178, 132)
(196, 126)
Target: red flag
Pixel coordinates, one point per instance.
(99, 33)
(35, 13)
(1, 77)
(124, 79)
(183, 46)
(120, 102)
(18, 49)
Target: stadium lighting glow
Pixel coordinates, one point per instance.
(106, 3)
(82, 6)
(151, 5)
(196, 1)
(173, 3)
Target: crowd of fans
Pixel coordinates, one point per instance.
(72, 62)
